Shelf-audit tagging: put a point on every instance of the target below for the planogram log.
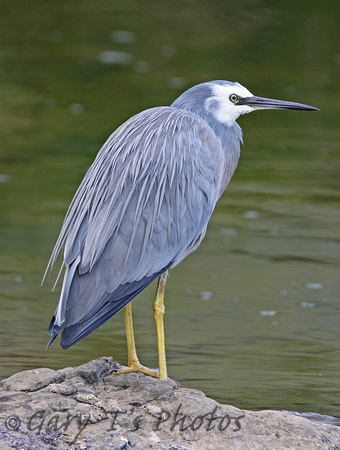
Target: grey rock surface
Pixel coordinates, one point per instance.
(89, 407)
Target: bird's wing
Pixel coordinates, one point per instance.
(143, 205)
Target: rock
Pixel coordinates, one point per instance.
(93, 370)
(32, 380)
(89, 407)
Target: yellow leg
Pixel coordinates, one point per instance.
(158, 313)
(130, 337)
(133, 363)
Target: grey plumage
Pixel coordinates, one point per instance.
(142, 207)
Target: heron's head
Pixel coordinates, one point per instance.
(230, 100)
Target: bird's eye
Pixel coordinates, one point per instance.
(233, 98)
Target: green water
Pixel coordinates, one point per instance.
(252, 317)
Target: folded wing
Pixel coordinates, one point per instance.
(142, 207)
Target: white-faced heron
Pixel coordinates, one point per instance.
(144, 205)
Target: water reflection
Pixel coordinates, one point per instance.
(274, 236)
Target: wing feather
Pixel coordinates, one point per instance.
(142, 207)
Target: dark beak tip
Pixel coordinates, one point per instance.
(312, 108)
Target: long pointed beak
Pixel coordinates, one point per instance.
(268, 103)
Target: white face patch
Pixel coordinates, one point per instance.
(220, 105)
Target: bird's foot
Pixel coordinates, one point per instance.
(138, 367)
